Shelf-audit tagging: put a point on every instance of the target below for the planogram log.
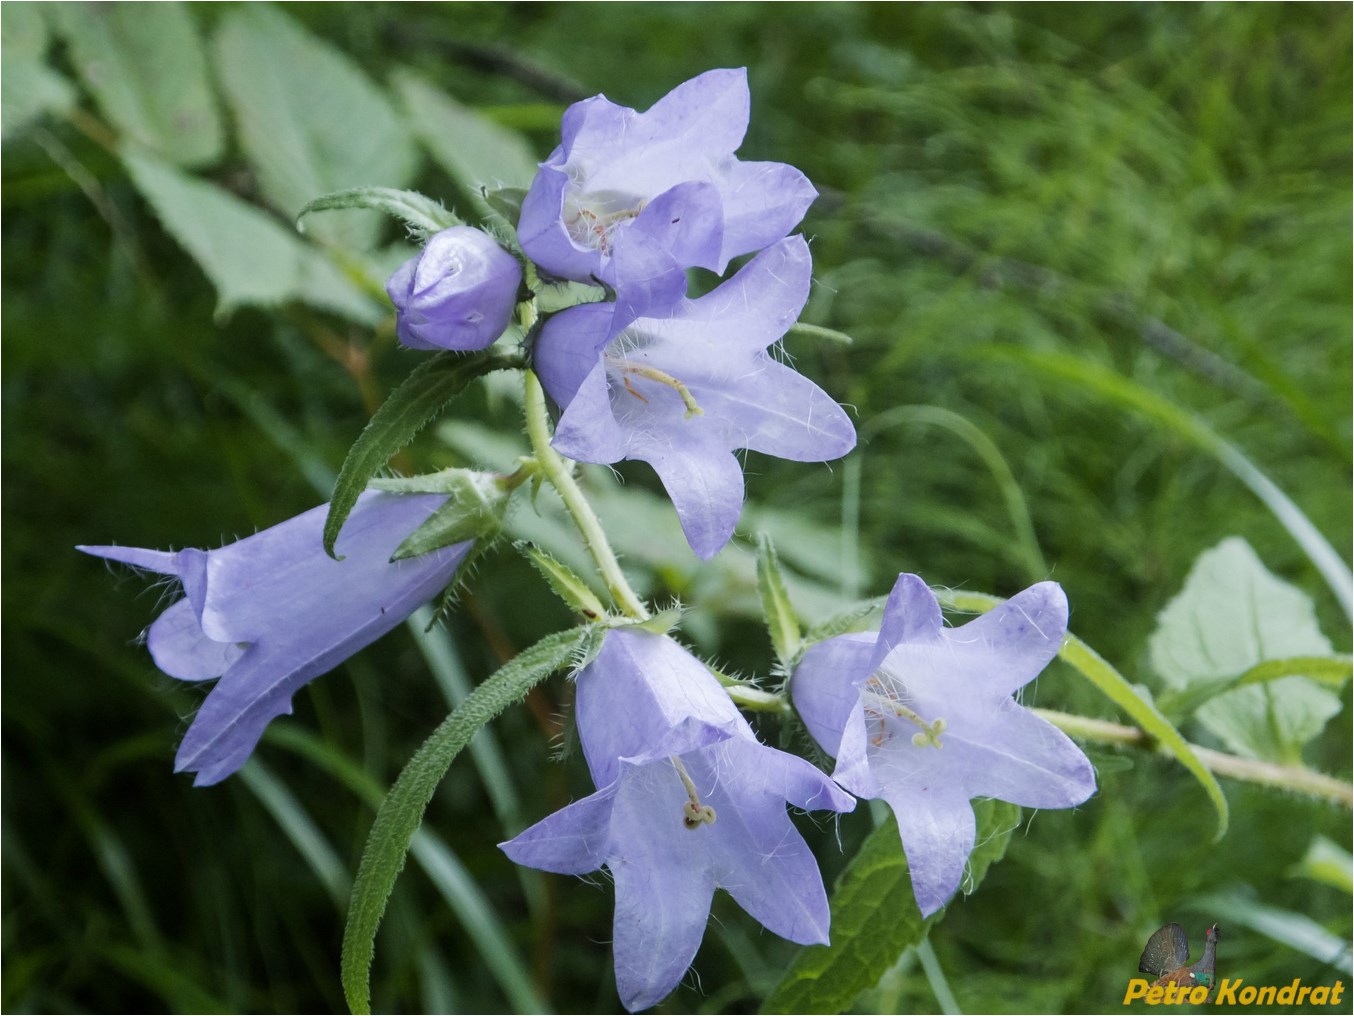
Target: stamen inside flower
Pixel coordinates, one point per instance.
(882, 700)
(592, 222)
(662, 377)
(694, 814)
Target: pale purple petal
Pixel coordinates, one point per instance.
(645, 696)
(181, 649)
(912, 614)
(936, 824)
(1026, 760)
(588, 430)
(763, 201)
(825, 687)
(568, 348)
(777, 411)
(662, 897)
(705, 483)
(758, 305)
(543, 234)
(1018, 638)
(685, 221)
(572, 841)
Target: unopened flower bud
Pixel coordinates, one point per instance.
(458, 293)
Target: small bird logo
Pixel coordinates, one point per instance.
(1167, 954)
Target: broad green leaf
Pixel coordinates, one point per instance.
(563, 580)
(309, 120)
(507, 202)
(425, 215)
(473, 149)
(401, 812)
(1096, 669)
(427, 389)
(28, 87)
(1231, 616)
(250, 257)
(779, 614)
(145, 65)
(875, 917)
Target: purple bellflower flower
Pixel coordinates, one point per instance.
(664, 183)
(272, 611)
(689, 801)
(683, 390)
(457, 293)
(923, 716)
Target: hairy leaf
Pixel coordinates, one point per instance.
(776, 607)
(410, 406)
(418, 211)
(401, 812)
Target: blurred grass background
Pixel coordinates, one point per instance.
(1158, 191)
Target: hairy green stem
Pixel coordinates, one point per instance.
(1299, 779)
(561, 477)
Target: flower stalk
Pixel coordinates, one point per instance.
(561, 478)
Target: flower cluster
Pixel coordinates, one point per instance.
(687, 799)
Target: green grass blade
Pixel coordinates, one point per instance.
(402, 810)
(299, 827)
(410, 406)
(1120, 390)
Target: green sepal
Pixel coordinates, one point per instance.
(474, 510)
(424, 214)
(568, 586)
(507, 202)
(875, 917)
(660, 623)
(433, 384)
(781, 622)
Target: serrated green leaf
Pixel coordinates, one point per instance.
(776, 607)
(1231, 616)
(473, 149)
(563, 580)
(844, 621)
(310, 120)
(1096, 669)
(875, 917)
(146, 67)
(473, 512)
(424, 214)
(401, 812)
(251, 258)
(410, 406)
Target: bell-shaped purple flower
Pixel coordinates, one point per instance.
(683, 390)
(665, 179)
(689, 801)
(270, 612)
(457, 293)
(923, 716)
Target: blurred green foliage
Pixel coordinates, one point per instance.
(1160, 191)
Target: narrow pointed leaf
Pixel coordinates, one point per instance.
(424, 214)
(874, 917)
(474, 511)
(563, 580)
(780, 615)
(401, 812)
(410, 406)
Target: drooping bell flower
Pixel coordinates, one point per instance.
(268, 613)
(923, 716)
(665, 179)
(689, 801)
(456, 293)
(685, 389)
